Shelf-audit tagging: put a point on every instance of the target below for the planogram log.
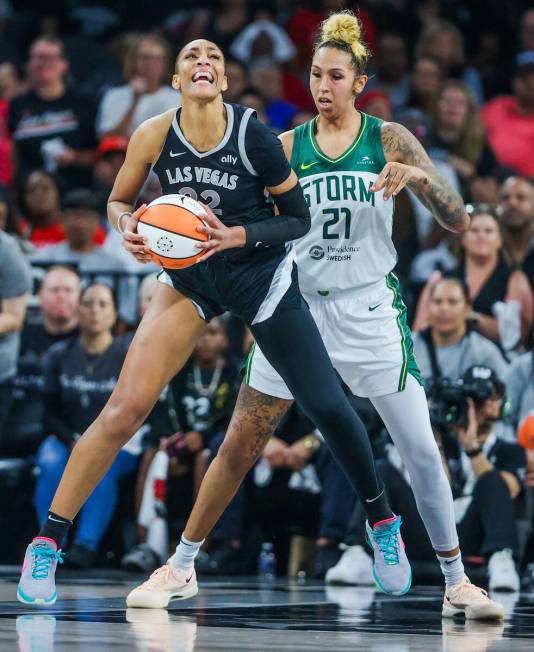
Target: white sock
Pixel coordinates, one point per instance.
(452, 569)
(186, 552)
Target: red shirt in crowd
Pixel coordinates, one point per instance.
(510, 133)
(53, 234)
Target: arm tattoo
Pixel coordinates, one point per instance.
(255, 418)
(434, 192)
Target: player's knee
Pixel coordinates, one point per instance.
(122, 417)
(236, 458)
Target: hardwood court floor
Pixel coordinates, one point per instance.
(245, 615)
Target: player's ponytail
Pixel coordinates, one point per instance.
(343, 30)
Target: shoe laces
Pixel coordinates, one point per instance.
(159, 577)
(43, 558)
(388, 542)
(467, 587)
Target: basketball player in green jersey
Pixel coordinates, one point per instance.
(351, 166)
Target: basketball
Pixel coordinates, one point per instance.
(525, 434)
(169, 222)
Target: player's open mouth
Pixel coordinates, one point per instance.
(324, 101)
(203, 76)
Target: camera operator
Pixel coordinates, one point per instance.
(449, 346)
(486, 477)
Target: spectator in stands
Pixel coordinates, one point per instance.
(52, 126)
(237, 78)
(449, 346)
(255, 101)
(147, 91)
(15, 285)
(263, 38)
(509, 120)
(376, 103)
(110, 156)
(501, 296)
(224, 22)
(59, 298)
(40, 204)
(80, 374)
(517, 204)
(486, 475)
(425, 84)
(192, 415)
(81, 223)
(391, 66)
(443, 42)
(457, 135)
(267, 79)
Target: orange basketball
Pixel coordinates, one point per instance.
(170, 223)
(525, 434)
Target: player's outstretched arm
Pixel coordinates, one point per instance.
(409, 165)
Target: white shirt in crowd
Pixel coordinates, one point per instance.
(117, 101)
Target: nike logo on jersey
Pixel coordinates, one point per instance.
(187, 581)
(371, 308)
(305, 166)
(174, 154)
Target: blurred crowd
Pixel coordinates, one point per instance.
(76, 79)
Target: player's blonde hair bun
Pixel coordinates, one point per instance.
(345, 28)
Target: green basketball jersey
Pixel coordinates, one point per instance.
(349, 244)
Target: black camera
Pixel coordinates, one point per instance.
(448, 399)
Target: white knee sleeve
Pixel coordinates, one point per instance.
(405, 415)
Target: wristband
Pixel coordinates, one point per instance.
(474, 452)
(121, 231)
